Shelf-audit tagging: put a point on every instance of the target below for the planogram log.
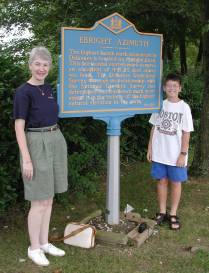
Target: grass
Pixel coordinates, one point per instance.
(167, 251)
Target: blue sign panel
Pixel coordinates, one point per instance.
(109, 70)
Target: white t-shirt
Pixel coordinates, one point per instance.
(173, 118)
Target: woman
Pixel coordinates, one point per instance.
(43, 152)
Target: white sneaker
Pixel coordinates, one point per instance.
(53, 250)
(38, 257)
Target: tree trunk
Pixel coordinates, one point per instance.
(200, 165)
(182, 49)
(170, 52)
(199, 55)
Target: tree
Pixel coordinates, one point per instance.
(178, 21)
(200, 164)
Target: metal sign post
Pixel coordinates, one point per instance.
(113, 170)
(113, 180)
(110, 72)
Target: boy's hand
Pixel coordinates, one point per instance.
(149, 155)
(181, 161)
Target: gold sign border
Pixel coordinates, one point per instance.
(110, 110)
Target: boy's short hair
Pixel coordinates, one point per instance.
(173, 77)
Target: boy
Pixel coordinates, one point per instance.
(168, 148)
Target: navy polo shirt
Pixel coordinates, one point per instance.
(36, 105)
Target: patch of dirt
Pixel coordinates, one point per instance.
(124, 226)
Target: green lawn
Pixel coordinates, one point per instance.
(167, 251)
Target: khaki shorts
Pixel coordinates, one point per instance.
(48, 151)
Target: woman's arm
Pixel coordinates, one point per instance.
(27, 167)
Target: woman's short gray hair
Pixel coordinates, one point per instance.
(40, 52)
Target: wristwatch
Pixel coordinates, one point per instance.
(184, 153)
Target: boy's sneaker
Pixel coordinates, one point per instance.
(52, 250)
(38, 257)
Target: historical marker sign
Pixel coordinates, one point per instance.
(109, 70)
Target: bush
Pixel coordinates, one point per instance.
(86, 142)
(134, 138)
(9, 160)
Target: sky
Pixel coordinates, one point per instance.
(13, 35)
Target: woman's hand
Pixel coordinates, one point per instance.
(27, 170)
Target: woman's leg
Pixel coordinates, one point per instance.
(44, 232)
(162, 192)
(35, 219)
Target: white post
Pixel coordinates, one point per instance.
(113, 181)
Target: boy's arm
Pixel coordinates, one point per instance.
(184, 149)
(149, 149)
